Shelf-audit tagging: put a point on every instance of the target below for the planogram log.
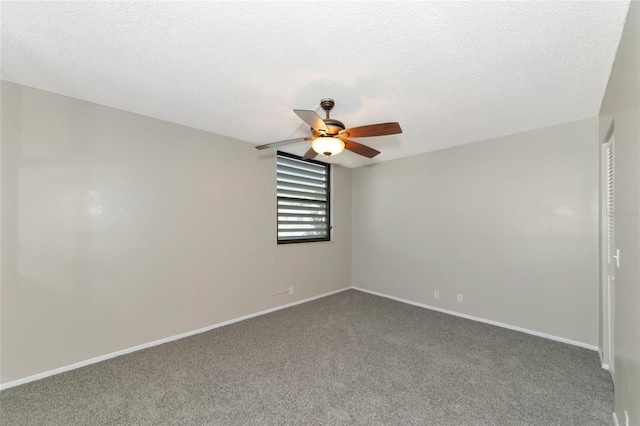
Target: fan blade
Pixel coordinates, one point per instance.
(380, 129)
(287, 142)
(358, 148)
(310, 154)
(312, 119)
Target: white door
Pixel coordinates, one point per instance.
(611, 251)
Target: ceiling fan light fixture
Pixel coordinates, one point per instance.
(327, 146)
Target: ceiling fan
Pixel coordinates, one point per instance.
(330, 136)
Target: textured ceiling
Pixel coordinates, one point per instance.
(449, 72)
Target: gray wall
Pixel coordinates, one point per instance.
(511, 223)
(621, 106)
(119, 229)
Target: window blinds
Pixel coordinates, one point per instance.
(303, 200)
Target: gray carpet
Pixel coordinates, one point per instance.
(351, 358)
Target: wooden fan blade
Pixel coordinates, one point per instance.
(358, 148)
(312, 119)
(380, 129)
(309, 154)
(287, 142)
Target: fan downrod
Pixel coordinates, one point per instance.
(327, 105)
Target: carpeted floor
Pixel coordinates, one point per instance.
(350, 358)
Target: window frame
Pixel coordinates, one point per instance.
(313, 239)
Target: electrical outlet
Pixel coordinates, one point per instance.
(290, 290)
(436, 294)
(459, 298)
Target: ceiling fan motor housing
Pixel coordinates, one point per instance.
(334, 126)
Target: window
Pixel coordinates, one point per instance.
(303, 200)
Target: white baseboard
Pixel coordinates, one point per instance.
(615, 419)
(471, 317)
(277, 308)
(602, 363)
(156, 342)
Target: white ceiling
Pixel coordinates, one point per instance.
(450, 72)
